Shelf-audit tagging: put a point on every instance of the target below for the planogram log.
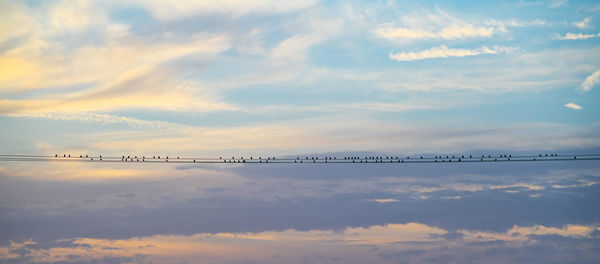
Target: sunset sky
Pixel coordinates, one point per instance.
(265, 77)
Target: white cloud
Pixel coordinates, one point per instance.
(575, 36)
(590, 81)
(387, 31)
(518, 233)
(557, 3)
(444, 52)
(386, 200)
(73, 16)
(583, 23)
(439, 25)
(573, 106)
(585, 184)
(529, 187)
(173, 10)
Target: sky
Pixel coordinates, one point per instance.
(275, 78)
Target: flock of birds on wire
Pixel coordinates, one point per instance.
(306, 159)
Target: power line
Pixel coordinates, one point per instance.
(395, 159)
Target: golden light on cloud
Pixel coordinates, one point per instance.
(224, 245)
(239, 246)
(519, 233)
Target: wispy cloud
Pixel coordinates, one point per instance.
(557, 3)
(529, 187)
(438, 25)
(519, 233)
(385, 200)
(573, 106)
(575, 36)
(444, 52)
(583, 23)
(173, 10)
(590, 81)
(449, 32)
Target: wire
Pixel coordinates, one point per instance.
(396, 159)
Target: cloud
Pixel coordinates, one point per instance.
(529, 187)
(518, 233)
(141, 81)
(575, 36)
(449, 32)
(585, 184)
(573, 106)
(583, 23)
(16, 22)
(385, 200)
(445, 52)
(438, 25)
(590, 81)
(221, 245)
(173, 10)
(557, 3)
(74, 16)
(349, 244)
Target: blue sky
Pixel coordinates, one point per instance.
(293, 73)
(231, 78)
